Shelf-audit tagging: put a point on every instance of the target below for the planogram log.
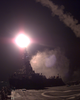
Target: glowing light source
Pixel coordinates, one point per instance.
(22, 40)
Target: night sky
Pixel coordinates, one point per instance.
(44, 28)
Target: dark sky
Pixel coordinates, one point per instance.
(39, 24)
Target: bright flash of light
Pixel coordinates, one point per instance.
(22, 40)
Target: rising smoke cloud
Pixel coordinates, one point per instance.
(66, 18)
(50, 63)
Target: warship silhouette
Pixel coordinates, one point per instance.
(27, 78)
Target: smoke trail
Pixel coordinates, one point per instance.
(66, 18)
(50, 63)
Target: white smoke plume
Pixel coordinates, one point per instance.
(50, 63)
(66, 18)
